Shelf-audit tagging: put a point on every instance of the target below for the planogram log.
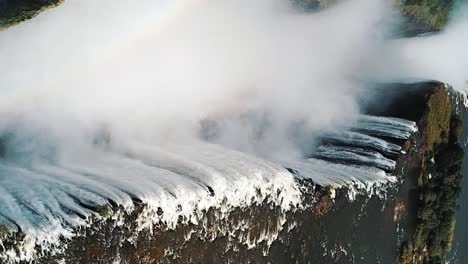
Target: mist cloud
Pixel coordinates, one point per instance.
(441, 56)
(257, 76)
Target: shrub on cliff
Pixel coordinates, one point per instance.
(406, 254)
(15, 11)
(438, 117)
(430, 13)
(450, 158)
(440, 183)
(457, 127)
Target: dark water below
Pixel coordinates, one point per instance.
(358, 232)
(459, 254)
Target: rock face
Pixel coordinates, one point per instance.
(13, 12)
(327, 227)
(410, 221)
(419, 16)
(425, 16)
(433, 169)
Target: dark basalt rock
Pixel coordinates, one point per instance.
(367, 229)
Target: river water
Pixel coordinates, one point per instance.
(459, 252)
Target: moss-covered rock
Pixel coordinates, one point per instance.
(105, 211)
(426, 15)
(13, 12)
(420, 16)
(437, 118)
(4, 231)
(440, 178)
(457, 126)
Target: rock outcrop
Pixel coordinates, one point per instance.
(326, 227)
(13, 12)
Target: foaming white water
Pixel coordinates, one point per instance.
(386, 126)
(356, 159)
(363, 141)
(338, 175)
(355, 155)
(53, 198)
(107, 110)
(50, 198)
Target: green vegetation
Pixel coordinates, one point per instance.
(13, 12)
(406, 255)
(439, 182)
(4, 231)
(432, 14)
(457, 126)
(105, 211)
(421, 15)
(437, 118)
(438, 197)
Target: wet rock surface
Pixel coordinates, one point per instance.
(328, 227)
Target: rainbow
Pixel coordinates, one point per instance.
(160, 17)
(166, 16)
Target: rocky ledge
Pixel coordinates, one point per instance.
(409, 221)
(13, 12)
